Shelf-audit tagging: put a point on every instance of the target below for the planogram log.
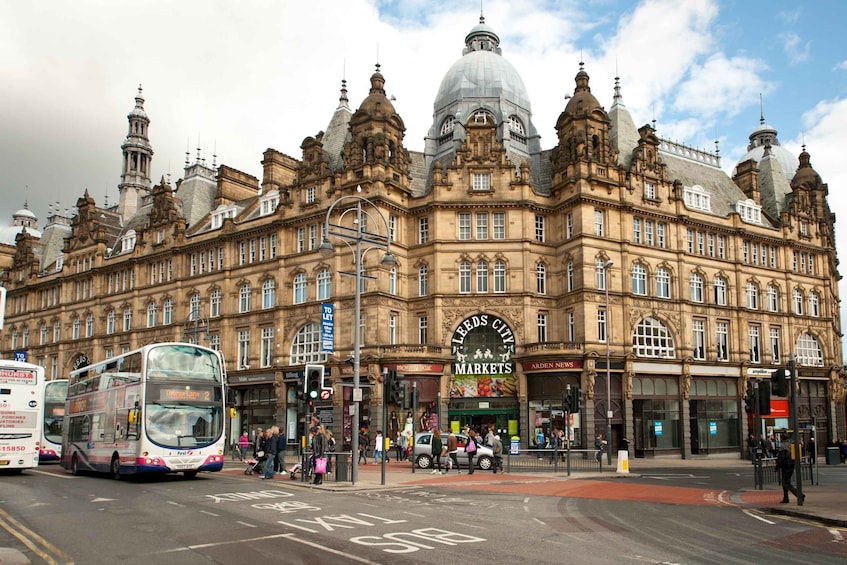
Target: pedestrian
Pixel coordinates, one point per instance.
(453, 450)
(271, 436)
(599, 442)
(378, 446)
(279, 461)
(331, 446)
(404, 446)
(437, 448)
(470, 449)
(785, 466)
(243, 444)
(489, 437)
(398, 445)
(319, 452)
(498, 455)
(363, 447)
(258, 438)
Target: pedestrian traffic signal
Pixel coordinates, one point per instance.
(570, 401)
(394, 392)
(779, 382)
(750, 399)
(764, 398)
(314, 381)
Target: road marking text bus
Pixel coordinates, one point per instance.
(21, 414)
(55, 395)
(157, 409)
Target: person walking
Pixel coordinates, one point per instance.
(258, 438)
(785, 466)
(271, 446)
(489, 437)
(363, 447)
(243, 444)
(331, 446)
(554, 446)
(398, 445)
(470, 449)
(599, 442)
(378, 446)
(437, 448)
(498, 455)
(319, 451)
(453, 450)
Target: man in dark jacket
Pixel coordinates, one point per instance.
(785, 466)
(271, 447)
(319, 450)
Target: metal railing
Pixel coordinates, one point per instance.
(556, 461)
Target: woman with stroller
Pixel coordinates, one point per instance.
(319, 450)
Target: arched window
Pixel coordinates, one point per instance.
(194, 307)
(244, 298)
(600, 273)
(151, 315)
(639, 279)
(720, 291)
(464, 277)
(306, 346)
(482, 276)
(300, 288)
(663, 283)
(814, 304)
(516, 125)
(696, 287)
(499, 276)
(448, 125)
(752, 296)
(652, 339)
(167, 311)
(773, 298)
(798, 301)
(809, 352)
(215, 303)
(324, 284)
(541, 278)
(268, 294)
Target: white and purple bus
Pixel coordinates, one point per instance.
(157, 409)
(21, 414)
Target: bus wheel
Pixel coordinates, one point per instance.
(115, 467)
(190, 474)
(75, 465)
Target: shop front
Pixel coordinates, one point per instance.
(255, 401)
(483, 386)
(547, 384)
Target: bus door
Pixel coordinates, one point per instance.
(110, 418)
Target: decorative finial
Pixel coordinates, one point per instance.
(761, 110)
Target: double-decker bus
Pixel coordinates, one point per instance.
(21, 414)
(55, 395)
(157, 409)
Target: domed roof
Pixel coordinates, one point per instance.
(9, 233)
(376, 100)
(482, 72)
(582, 100)
(25, 213)
(766, 135)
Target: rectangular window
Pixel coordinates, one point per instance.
(776, 353)
(698, 339)
(571, 326)
(313, 237)
(301, 239)
(243, 359)
(754, 341)
(481, 225)
(601, 326)
(722, 246)
(648, 232)
(660, 234)
(423, 230)
(464, 277)
(636, 230)
(542, 327)
(499, 225)
(422, 329)
(311, 194)
(539, 228)
(722, 340)
(569, 225)
(464, 226)
(481, 181)
(711, 244)
(689, 237)
(649, 190)
(267, 347)
(392, 329)
(599, 223)
(701, 243)
(392, 227)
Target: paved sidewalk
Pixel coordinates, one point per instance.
(825, 503)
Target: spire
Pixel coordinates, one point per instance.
(343, 102)
(618, 97)
(137, 157)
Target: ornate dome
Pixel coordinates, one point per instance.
(766, 135)
(482, 72)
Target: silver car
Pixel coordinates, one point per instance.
(422, 452)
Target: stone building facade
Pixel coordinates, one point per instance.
(617, 262)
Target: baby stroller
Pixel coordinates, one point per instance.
(255, 465)
(298, 468)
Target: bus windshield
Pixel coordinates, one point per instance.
(183, 362)
(54, 410)
(183, 416)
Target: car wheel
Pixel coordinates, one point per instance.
(485, 463)
(75, 465)
(115, 467)
(424, 461)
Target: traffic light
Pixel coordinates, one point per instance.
(314, 381)
(750, 399)
(779, 382)
(570, 401)
(764, 398)
(405, 402)
(232, 413)
(394, 393)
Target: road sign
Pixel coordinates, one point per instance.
(325, 394)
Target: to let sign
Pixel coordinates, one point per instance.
(327, 327)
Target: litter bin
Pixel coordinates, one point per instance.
(515, 445)
(833, 457)
(341, 465)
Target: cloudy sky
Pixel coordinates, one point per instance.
(235, 78)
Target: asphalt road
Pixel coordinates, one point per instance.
(225, 518)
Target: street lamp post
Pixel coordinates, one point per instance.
(354, 237)
(606, 267)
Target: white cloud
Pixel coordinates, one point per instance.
(796, 51)
(842, 66)
(721, 86)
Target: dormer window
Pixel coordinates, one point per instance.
(483, 117)
(269, 203)
(481, 181)
(311, 195)
(697, 198)
(128, 241)
(750, 212)
(516, 129)
(220, 215)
